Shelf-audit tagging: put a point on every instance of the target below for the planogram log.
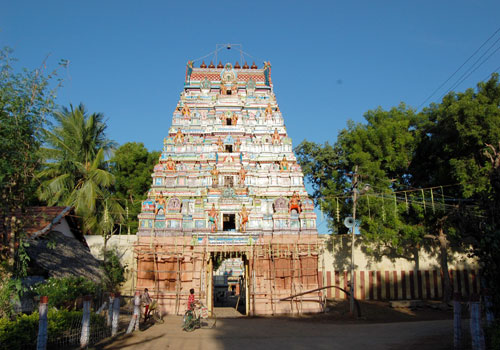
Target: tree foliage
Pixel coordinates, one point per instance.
(132, 166)
(381, 150)
(75, 170)
(440, 151)
(26, 98)
(114, 271)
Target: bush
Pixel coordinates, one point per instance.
(7, 294)
(22, 332)
(18, 333)
(63, 292)
(114, 271)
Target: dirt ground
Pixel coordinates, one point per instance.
(380, 327)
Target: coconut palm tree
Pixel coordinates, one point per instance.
(75, 171)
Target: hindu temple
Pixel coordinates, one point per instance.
(228, 186)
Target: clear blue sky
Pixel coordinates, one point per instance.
(331, 60)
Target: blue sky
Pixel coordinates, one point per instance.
(331, 60)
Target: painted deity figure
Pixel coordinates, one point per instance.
(189, 70)
(234, 89)
(275, 138)
(284, 164)
(237, 145)
(179, 137)
(223, 90)
(234, 119)
(244, 218)
(267, 73)
(159, 202)
(220, 145)
(186, 111)
(294, 203)
(215, 176)
(268, 112)
(212, 218)
(242, 176)
(170, 164)
(228, 159)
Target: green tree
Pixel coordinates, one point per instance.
(114, 271)
(451, 153)
(26, 99)
(381, 150)
(132, 166)
(75, 171)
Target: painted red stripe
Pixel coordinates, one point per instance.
(466, 282)
(403, 284)
(355, 286)
(427, 285)
(419, 284)
(435, 278)
(345, 284)
(387, 286)
(370, 284)
(474, 281)
(329, 283)
(412, 284)
(395, 284)
(379, 285)
(337, 283)
(362, 285)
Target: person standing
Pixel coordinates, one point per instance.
(146, 300)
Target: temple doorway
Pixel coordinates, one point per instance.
(230, 285)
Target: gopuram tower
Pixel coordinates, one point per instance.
(228, 185)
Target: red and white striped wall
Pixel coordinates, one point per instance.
(394, 285)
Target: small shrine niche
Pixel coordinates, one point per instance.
(205, 86)
(250, 87)
(228, 181)
(174, 205)
(280, 205)
(229, 84)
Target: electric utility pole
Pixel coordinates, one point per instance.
(354, 200)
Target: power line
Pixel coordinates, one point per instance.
(489, 75)
(458, 69)
(460, 80)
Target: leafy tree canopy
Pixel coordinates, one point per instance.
(132, 166)
(26, 98)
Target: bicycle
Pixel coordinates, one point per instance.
(206, 318)
(154, 313)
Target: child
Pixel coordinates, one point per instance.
(191, 300)
(146, 299)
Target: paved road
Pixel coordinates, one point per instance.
(267, 333)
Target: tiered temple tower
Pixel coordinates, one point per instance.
(228, 185)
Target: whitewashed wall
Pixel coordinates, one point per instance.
(124, 245)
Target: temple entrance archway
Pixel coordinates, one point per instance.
(229, 283)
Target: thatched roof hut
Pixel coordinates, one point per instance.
(57, 247)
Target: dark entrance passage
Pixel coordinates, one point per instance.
(228, 222)
(230, 285)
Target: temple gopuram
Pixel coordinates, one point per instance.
(228, 186)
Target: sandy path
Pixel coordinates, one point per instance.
(267, 333)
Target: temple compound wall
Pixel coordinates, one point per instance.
(228, 185)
